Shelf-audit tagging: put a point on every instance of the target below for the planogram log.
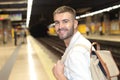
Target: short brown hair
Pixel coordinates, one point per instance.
(63, 9)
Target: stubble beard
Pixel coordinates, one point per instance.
(68, 34)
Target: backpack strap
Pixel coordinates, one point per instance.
(97, 54)
(100, 59)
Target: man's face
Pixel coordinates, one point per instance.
(64, 25)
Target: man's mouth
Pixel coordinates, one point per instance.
(62, 31)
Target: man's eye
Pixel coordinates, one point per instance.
(65, 21)
(56, 23)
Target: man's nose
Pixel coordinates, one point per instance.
(61, 25)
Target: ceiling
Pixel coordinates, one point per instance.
(43, 9)
(14, 7)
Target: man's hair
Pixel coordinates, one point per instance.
(63, 9)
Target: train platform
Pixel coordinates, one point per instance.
(112, 38)
(28, 61)
(31, 60)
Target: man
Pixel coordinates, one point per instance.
(75, 62)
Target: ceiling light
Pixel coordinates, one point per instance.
(99, 11)
(29, 8)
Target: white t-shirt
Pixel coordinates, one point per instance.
(77, 59)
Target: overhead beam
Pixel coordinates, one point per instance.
(14, 9)
(13, 2)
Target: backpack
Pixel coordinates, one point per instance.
(103, 65)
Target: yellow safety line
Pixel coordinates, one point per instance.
(44, 58)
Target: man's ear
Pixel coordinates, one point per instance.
(75, 24)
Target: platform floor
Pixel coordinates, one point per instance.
(30, 61)
(26, 61)
(113, 38)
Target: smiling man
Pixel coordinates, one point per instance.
(75, 63)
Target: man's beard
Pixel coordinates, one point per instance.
(68, 34)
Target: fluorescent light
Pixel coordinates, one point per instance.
(29, 8)
(98, 12)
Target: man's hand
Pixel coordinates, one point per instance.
(58, 71)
